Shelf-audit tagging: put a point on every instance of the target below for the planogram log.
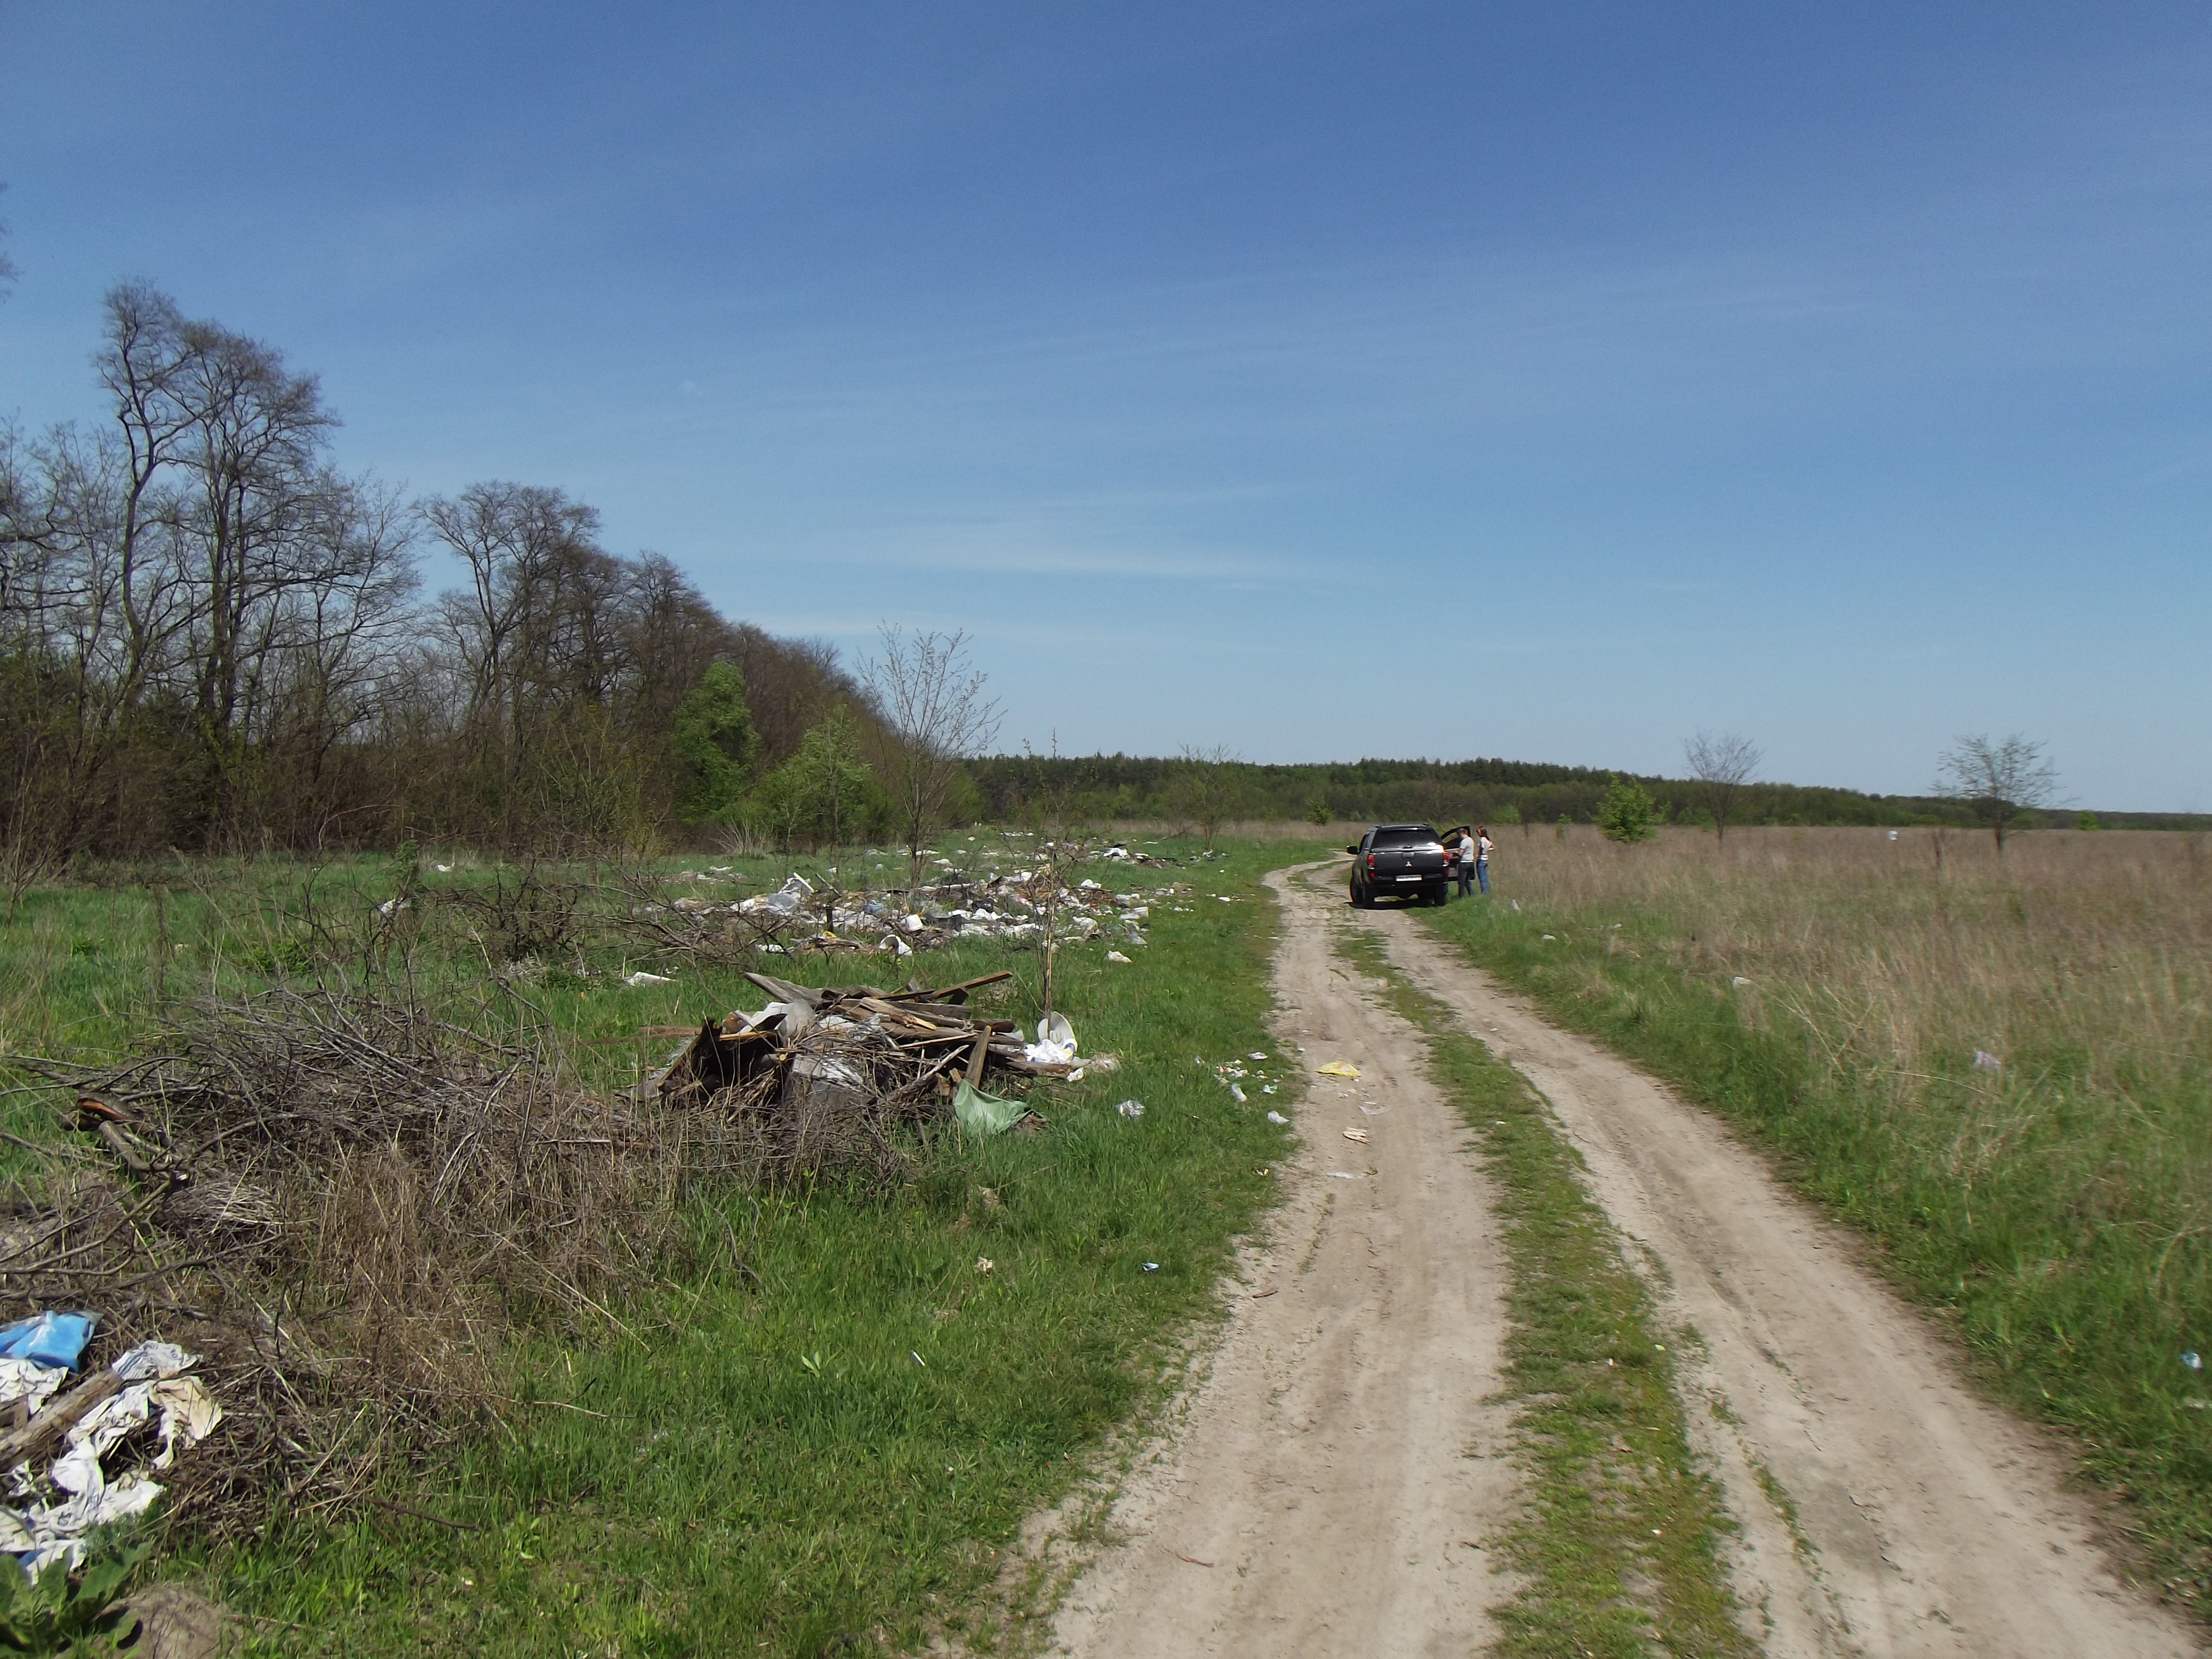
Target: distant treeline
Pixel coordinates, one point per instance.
(1104, 788)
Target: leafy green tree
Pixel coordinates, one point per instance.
(825, 792)
(712, 744)
(1627, 813)
(833, 781)
(1317, 810)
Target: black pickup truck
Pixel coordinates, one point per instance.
(1404, 858)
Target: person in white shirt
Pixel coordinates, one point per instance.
(1482, 846)
(1465, 864)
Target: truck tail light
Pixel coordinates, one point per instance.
(1370, 860)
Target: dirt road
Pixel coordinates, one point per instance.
(1323, 1489)
(1318, 1488)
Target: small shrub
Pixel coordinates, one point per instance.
(1627, 813)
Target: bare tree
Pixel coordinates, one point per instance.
(935, 715)
(1720, 766)
(2001, 782)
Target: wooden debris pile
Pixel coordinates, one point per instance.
(827, 1079)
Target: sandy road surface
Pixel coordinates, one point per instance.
(1338, 1452)
(1933, 1523)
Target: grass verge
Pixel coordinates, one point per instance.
(1617, 1543)
(2041, 1211)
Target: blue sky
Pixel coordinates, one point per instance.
(1320, 381)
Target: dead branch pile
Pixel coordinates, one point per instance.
(844, 1079)
(344, 1205)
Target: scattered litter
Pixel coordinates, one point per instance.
(1338, 1068)
(786, 902)
(1255, 1055)
(1549, 939)
(1739, 982)
(1131, 1109)
(1236, 1093)
(443, 869)
(640, 977)
(1345, 1174)
(1267, 1088)
(1359, 1135)
(918, 1359)
(392, 907)
(1151, 1267)
(1517, 904)
(1115, 955)
(1277, 1117)
(1893, 834)
(1365, 1110)
(2192, 1361)
(1987, 1062)
(983, 1264)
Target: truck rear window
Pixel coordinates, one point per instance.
(1422, 836)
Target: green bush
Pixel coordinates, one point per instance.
(1627, 813)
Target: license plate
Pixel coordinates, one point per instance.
(1409, 877)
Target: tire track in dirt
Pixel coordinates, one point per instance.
(1887, 1509)
(1323, 1486)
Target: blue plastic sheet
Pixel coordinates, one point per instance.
(48, 1339)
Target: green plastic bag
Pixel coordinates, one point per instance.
(986, 1114)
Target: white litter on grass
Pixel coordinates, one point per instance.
(153, 1384)
(1987, 1062)
(640, 977)
(1054, 1044)
(1236, 1093)
(1739, 982)
(1277, 1117)
(1255, 1055)
(1115, 955)
(1131, 1109)
(443, 869)
(1549, 939)
(391, 906)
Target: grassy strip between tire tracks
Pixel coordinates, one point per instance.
(827, 1451)
(2042, 1246)
(1618, 1544)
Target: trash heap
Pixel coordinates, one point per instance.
(822, 1079)
(132, 1415)
(1017, 906)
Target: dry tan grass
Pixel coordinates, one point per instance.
(1904, 956)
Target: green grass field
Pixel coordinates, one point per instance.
(828, 1450)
